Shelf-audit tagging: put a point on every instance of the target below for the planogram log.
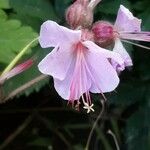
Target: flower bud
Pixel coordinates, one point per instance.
(103, 33)
(79, 14)
(16, 70)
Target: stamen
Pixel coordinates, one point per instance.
(88, 107)
(77, 105)
(139, 45)
(77, 84)
(83, 100)
(87, 103)
(89, 97)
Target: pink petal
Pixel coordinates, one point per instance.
(139, 36)
(104, 53)
(57, 62)
(16, 70)
(119, 48)
(76, 83)
(126, 21)
(103, 75)
(52, 34)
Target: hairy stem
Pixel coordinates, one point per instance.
(24, 87)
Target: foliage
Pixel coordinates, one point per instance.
(53, 126)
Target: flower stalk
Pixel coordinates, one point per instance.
(95, 124)
(18, 57)
(115, 139)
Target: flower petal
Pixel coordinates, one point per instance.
(126, 21)
(56, 63)
(104, 76)
(104, 53)
(52, 34)
(119, 48)
(76, 83)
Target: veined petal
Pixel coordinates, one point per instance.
(126, 21)
(56, 63)
(104, 76)
(119, 48)
(63, 86)
(52, 34)
(76, 83)
(104, 53)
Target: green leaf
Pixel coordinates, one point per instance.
(145, 19)
(141, 5)
(41, 9)
(28, 20)
(61, 10)
(142, 68)
(137, 130)
(41, 141)
(127, 93)
(78, 147)
(111, 7)
(13, 37)
(4, 4)
(3, 15)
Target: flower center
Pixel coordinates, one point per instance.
(87, 35)
(80, 81)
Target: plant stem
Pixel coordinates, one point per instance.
(103, 139)
(24, 87)
(12, 136)
(50, 126)
(94, 126)
(17, 58)
(115, 139)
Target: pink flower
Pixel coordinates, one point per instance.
(77, 65)
(127, 27)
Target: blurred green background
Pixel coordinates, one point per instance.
(37, 118)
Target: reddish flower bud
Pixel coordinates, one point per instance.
(103, 33)
(79, 14)
(16, 70)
